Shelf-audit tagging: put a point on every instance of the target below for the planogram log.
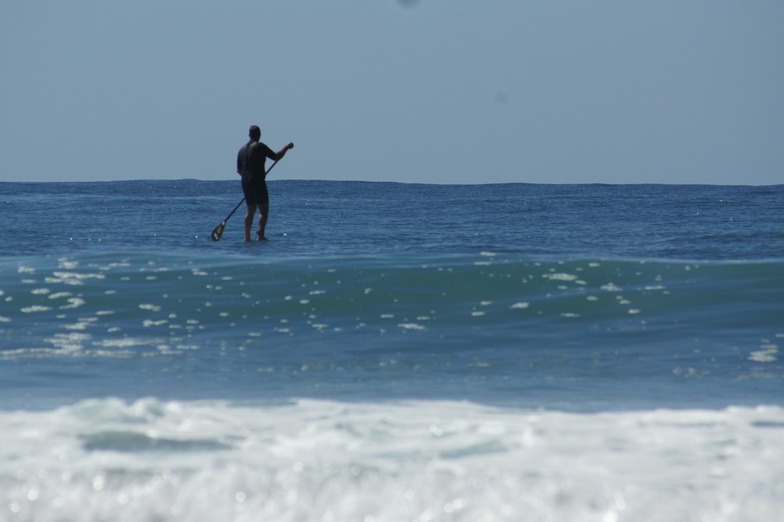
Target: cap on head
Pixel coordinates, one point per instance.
(254, 132)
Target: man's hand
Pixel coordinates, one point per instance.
(285, 149)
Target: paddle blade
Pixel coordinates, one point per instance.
(218, 232)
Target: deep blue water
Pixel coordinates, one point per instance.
(344, 218)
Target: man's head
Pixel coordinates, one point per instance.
(254, 132)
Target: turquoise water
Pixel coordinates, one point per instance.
(389, 343)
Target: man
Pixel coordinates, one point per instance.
(250, 165)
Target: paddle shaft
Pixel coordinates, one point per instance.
(235, 210)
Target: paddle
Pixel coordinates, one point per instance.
(218, 232)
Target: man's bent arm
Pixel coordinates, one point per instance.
(282, 152)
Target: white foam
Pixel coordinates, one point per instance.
(314, 460)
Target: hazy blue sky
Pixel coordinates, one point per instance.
(436, 91)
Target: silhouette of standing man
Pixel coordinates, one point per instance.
(251, 161)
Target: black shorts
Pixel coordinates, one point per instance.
(256, 193)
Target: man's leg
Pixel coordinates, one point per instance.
(249, 221)
(263, 213)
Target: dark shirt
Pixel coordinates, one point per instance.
(251, 160)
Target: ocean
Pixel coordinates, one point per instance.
(394, 352)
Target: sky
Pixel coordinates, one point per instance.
(414, 91)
